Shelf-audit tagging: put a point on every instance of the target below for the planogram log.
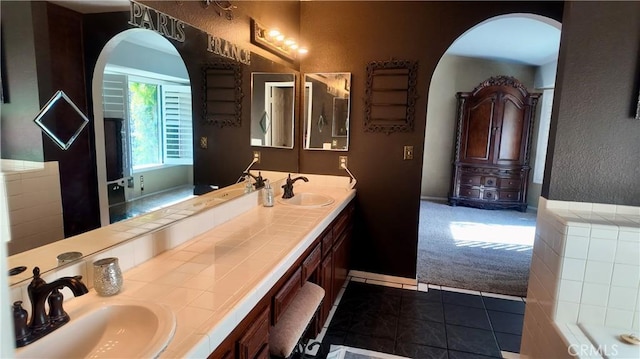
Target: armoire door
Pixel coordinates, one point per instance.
(478, 130)
(511, 130)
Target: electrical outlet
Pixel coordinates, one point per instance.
(342, 162)
(408, 152)
(256, 156)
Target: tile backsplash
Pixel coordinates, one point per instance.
(585, 268)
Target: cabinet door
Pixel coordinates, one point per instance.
(325, 280)
(340, 263)
(510, 135)
(256, 338)
(478, 129)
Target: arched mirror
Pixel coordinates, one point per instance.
(144, 100)
(272, 109)
(327, 105)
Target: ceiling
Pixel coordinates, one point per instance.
(519, 39)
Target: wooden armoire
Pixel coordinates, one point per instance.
(491, 160)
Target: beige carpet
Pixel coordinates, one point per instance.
(469, 248)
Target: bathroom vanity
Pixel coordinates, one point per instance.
(229, 271)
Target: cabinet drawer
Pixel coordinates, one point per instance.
(490, 195)
(510, 183)
(327, 242)
(311, 263)
(285, 295)
(256, 338)
(341, 223)
(490, 181)
(509, 195)
(470, 180)
(469, 192)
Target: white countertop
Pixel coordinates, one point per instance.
(214, 280)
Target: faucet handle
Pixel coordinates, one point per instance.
(20, 315)
(56, 313)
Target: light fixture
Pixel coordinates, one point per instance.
(275, 41)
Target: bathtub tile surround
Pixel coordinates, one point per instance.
(212, 267)
(585, 269)
(33, 216)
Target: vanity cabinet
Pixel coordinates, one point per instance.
(493, 140)
(325, 262)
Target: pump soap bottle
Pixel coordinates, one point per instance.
(267, 199)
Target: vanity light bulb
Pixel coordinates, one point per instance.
(293, 46)
(289, 42)
(280, 37)
(274, 33)
(303, 50)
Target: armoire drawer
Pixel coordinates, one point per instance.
(470, 180)
(469, 192)
(509, 196)
(490, 195)
(510, 183)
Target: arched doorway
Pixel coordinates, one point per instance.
(490, 48)
(143, 125)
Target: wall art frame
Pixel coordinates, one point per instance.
(390, 96)
(222, 94)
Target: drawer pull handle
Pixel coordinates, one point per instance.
(490, 182)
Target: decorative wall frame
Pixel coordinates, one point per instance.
(222, 95)
(390, 96)
(61, 120)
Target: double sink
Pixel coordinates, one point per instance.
(123, 328)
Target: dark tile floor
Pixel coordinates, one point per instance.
(433, 324)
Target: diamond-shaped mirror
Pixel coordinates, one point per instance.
(62, 121)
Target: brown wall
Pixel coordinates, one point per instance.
(345, 36)
(594, 149)
(229, 152)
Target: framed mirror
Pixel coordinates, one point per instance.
(272, 109)
(326, 110)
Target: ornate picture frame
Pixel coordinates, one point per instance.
(222, 95)
(390, 96)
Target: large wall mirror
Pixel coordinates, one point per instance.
(108, 165)
(327, 104)
(272, 109)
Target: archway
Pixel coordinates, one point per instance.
(139, 57)
(460, 71)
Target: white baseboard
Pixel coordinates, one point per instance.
(435, 199)
(383, 277)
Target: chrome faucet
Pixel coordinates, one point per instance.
(42, 323)
(288, 186)
(259, 180)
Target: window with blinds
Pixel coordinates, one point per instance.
(177, 123)
(175, 113)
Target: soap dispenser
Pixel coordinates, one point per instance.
(267, 199)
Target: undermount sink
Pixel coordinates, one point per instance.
(115, 328)
(307, 199)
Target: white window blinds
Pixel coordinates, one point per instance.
(177, 122)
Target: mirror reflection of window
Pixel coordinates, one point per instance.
(326, 111)
(272, 109)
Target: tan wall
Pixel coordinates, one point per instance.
(457, 74)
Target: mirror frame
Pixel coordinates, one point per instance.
(308, 109)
